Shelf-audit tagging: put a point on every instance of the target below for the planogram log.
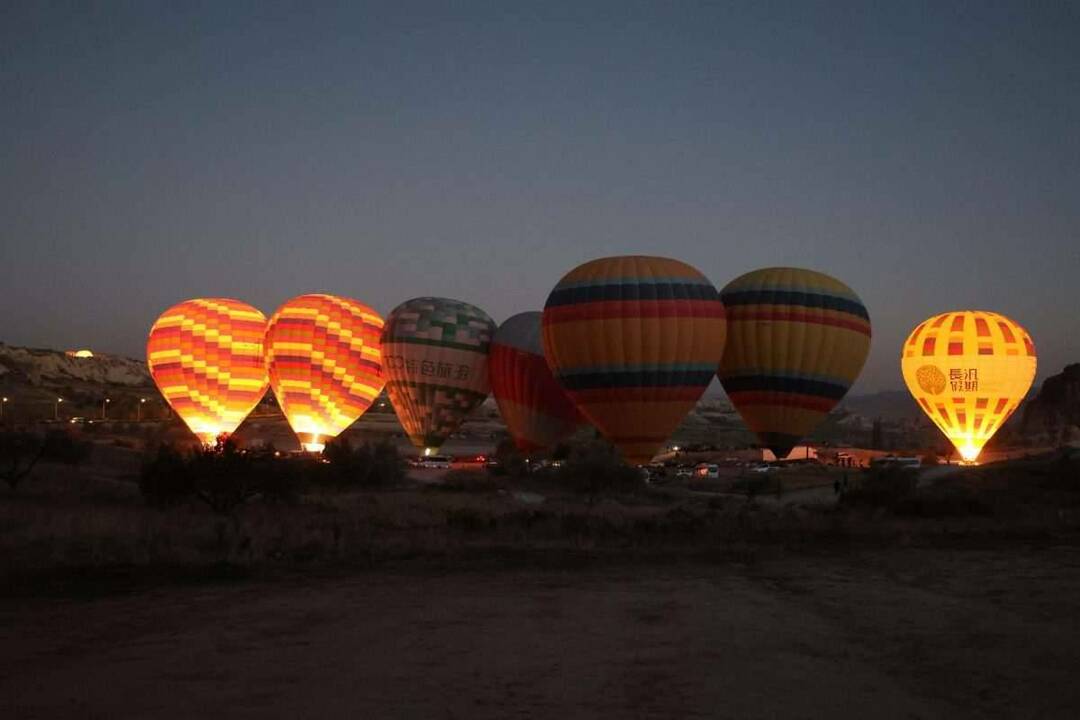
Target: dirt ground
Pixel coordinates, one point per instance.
(902, 634)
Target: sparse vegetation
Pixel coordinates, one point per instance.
(251, 508)
(595, 468)
(20, 452)
(227, 476)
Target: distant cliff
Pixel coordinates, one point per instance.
(33, 367)
(1054, 413)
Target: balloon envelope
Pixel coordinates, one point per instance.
(635, 341)
(537, 411)
(436, 358)
(206, 357)
(968, 370)
(324, 358)
(797, 340)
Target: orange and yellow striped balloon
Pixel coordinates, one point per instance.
(206, 357)
(969, 370)
(324, 357)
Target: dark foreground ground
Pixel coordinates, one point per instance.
(893, 634)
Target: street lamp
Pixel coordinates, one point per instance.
(56, 408)
(2, 404)
(104, 403)
(141, 401)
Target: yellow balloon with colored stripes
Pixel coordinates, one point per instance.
(969, 370)
(797, 340)
(634, 341)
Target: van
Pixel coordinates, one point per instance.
(892, 461)
(441, 462)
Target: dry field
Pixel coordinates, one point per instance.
(502, 599)
(891, 634)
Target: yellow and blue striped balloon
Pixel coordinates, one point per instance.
(635, 341)
(797, 340)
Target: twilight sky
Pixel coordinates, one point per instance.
(926, 154)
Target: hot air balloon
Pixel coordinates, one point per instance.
(968, 370)
(324, 358)
(537, 411)
(436, 354)
(635, 341)
(797, 340)
(206, 357)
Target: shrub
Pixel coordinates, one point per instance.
(883, 487)
(166, 479)
(596, 468)
(227, 476)
(754, 485)
(1063, 474)
(947, 500)
(511, 461)
(19, 452)
(223, 477)
(369, 465)
(61, 446)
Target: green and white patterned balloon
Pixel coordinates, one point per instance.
(435, 354)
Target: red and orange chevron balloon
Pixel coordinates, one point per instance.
(324, 357)
(206, 357)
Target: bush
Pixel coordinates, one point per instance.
(896, 489)
(226, 476)
(511, 461)
(754, 485)
(61, 446)
(1062, 474)
(596, 468)
(369, 465)
(223, 477)
(19, 452)
(166, 479)
(949, 500)
(883, 487)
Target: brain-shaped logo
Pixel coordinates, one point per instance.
(931, 379)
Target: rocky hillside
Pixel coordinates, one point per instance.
(51, 368)
(1054, 413)
(32, 379)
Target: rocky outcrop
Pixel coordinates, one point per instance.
(1054, 413)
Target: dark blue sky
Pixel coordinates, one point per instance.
(926, 154)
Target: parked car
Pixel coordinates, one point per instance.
(684, 471)
(465, 462)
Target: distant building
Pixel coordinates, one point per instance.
(79, 353)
